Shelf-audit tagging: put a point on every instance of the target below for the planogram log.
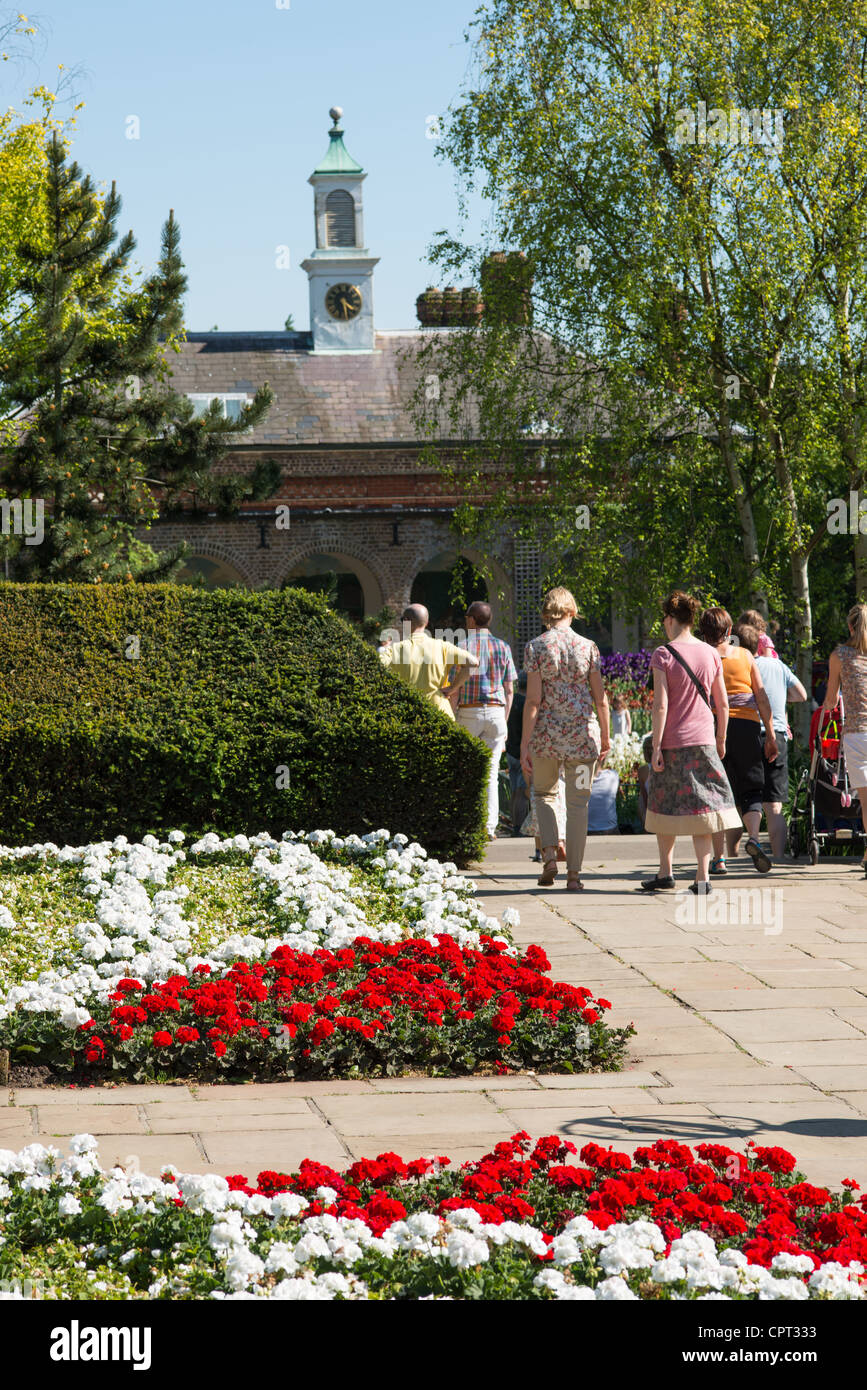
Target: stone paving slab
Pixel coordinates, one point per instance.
(857, 1100)
(801, 1053)
(615, 1101)
(710, 1001)
(717, 1095)
(835, 1078)
(709, 1069)
(660, 1041)
(421, 1084)
(16, 1121)
(813, 1115)
(99, 1095)
(90, 1119)
(282, 1151)
(270, 1090)
(600, 1081)
(228, 1119)
(457, 1113)
(781, 1025)
(146, 1152)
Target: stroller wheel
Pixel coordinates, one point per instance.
(795, 846)
(813, 851)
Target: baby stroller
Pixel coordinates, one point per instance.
(825, 812)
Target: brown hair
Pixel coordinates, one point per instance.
(748, 636)
(715, 623)
(682, 607)
(857, 620)
(752, 618)
(558, 603)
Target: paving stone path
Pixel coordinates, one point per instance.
(747, 1029)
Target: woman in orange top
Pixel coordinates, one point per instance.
(743, 756)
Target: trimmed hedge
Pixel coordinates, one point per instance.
(226, 688)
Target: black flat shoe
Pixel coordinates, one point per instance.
(701, 889)
(537, 857)
(650, 885)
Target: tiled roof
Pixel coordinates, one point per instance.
(351, 398)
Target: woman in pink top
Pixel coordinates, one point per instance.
(688, 792)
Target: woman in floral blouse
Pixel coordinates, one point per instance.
(566, 721)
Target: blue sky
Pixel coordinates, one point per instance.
(232, 97)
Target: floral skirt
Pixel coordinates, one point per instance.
(691, 796)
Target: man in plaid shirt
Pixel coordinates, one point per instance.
(483, 702)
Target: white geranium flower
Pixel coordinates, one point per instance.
(785, 1263)
(615, 1290)
(465, 1251)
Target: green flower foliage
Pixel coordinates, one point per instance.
(139, 708)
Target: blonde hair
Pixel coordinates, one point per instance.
(558, 603)
(857, 620)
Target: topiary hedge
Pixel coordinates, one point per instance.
(143, 708)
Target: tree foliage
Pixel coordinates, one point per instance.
(92, 426)
(688, 183)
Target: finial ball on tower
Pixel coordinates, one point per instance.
(335, 113)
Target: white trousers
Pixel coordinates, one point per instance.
(488, 722)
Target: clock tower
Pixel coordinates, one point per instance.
(340, 270)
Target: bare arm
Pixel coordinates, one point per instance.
(721, 706)
(833, 688)
(600, 700)
(659, 717)
(508, 691)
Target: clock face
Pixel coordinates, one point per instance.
(343, 301)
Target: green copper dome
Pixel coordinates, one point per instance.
(337, 160)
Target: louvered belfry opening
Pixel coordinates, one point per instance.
(340, 219)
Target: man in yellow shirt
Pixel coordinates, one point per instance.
(423, 661)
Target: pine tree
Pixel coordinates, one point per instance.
(91, 422)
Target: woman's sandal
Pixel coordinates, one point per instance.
(549, 872)
(574, 884)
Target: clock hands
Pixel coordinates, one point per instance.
(343, 301)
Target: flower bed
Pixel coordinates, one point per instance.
(520, 1223)
(367, 1009)
(352, 957)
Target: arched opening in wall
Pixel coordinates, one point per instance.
(328, 575)
(446, 586)
(206, 572)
